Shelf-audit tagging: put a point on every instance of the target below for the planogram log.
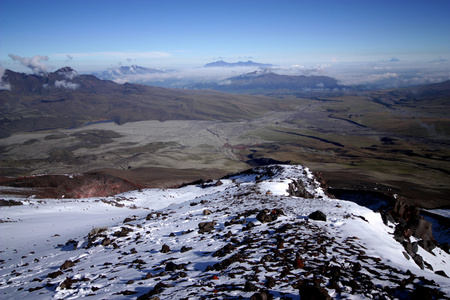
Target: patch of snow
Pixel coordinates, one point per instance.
(34, 242)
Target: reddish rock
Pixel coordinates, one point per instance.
(72, 186)
(299, 264)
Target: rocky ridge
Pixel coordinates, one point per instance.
(250, 239)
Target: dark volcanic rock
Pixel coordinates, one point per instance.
(250, 287)
(9, 202)
(185, 249)
(318, 216)
(124, 231)
(67, 264)
(206, 226)
(228, 248)
(54, 274)
(263, 295)
(313, 292)
(165, 249)
(266, 215)
(170, 267)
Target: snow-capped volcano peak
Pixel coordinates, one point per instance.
(67, 72)
(270, 231)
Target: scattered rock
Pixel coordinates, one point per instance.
(262, 295)
(249, 226)
(225, 263)
(67, 284)
(250, 287)
(266, 215)
(55, 274)
(9, 202)
(270, 282)
(165, 249)
(205, 227)
(297, 188)
(419, 261)
(298, 263)
(123, 232)
(442, 273)
(170, 267)
(185, 249)
(228, 248)
(106, 242)
(313, 292)
(318, 216)
(127, 293)
(67, 264)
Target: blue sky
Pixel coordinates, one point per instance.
(91, 35)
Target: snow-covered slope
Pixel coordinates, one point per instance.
(230, 240)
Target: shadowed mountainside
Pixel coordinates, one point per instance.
(64, 99)
(266, 82)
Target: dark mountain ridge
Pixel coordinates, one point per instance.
(224, 64)
(45, 84)
(64, 99)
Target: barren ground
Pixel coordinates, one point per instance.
(354, 141)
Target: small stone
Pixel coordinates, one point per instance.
(406, 255)
(185, 249)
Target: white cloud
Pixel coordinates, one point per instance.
(36, 63)
(66, 84)
(116, 54)
(70, 74)
(320, 85)
(375, 77)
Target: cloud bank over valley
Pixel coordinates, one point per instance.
(372, 75)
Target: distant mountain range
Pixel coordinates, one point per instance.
(262, 82)
(64, 99)
(224, 64)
